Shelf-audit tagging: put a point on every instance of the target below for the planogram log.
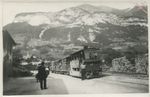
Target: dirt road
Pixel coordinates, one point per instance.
(63, 84)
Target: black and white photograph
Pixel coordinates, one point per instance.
(73, 47)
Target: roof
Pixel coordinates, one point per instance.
(7, 36)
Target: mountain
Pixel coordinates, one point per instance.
(137, 12)
(93, 9)
(56, 34)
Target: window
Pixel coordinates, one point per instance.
(76, 69)
(87, 55)
(93, 55)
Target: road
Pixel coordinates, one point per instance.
(63, 84)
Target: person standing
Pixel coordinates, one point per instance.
(47, 71)
(83, 71)
(42, 76)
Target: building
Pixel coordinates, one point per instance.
(8, 44)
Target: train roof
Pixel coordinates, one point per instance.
(86, 48)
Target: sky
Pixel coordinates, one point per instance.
(11, 8)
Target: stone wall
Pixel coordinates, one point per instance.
(122, 64)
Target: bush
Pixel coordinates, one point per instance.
(110, 54)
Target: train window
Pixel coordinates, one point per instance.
(93, 55)
(76, 69)
(87, 56)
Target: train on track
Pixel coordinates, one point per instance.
(71, 65)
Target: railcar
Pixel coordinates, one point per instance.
(89, 57)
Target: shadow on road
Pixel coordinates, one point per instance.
(29, 86)
(103, 75)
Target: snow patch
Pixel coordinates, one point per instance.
(91, 19)
(81, 38)
(42, 32)
(38, 20)
(37, 42)
(63, 18)
(90, 30)
(69, 37)
(33, 20)
(72, 46)
(92, 36)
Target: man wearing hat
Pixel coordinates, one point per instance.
(42, 76)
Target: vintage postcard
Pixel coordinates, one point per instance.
(75, 47)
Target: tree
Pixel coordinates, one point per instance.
(17, 57)
(110, 55)
(132, 52)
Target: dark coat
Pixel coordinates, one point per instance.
(42, 72)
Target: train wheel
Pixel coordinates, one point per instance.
(96, 74)
(88, 75)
